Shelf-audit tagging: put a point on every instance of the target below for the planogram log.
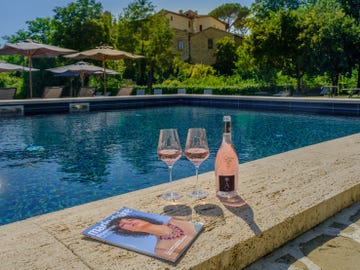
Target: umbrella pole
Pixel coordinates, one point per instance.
(30, 75)
(71, 86)
(82, 79)
(104, 73)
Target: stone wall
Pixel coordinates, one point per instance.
(200, 53)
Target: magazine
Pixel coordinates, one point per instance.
(152, 234)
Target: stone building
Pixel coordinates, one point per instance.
(196, 35)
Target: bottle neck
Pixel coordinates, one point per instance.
(227, 132)
(227, 137)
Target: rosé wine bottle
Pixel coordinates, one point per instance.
(226, 165)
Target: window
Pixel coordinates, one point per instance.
(171, 18)
(180, 45)
(200, 27)
(210, 43)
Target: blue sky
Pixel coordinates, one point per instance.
(15, 13)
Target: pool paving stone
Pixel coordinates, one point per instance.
(334, 244)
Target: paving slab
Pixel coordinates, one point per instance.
(334, 244)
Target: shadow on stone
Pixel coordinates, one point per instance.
(240, 208)
(356, 217)
(212, 215)
(178, 210)
(210, 210)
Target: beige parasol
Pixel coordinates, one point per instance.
(81, 68)
(30, 49)
(104, 53)
(7, 67)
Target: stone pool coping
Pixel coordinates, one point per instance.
(286, 195)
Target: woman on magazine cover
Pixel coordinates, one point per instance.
(172, 237)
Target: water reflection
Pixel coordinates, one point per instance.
(89, 156)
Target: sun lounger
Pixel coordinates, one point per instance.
(208, 91)
(331, 90)
(125, 91)
(157, 91)
(7, 93)
(281, 94)
(86, 92)
(181, 91)
(52, 92)
(140, 92)
(352, 91)
(324, 90)
(100, 94)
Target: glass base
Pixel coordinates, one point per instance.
(171, 196)
(198, 194)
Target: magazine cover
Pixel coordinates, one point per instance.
(155, 235)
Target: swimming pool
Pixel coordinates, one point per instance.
(51, 162)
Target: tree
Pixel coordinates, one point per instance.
(245, 66)
(226, 56)
(352, 9)
(262, 8)
(80, 25)
(234, 15)
(331, 38)
(275, 42)
(147, 33)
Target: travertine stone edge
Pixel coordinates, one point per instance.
(253, 248)
(286, 195)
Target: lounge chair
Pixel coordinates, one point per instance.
(52, 92)
(86, 92)
(100, 93)
(331, 90)
(125, 91)
(208, 91)
(140, 92)
(7, 93)
(352, 91)
(324, 90)
(181, 91)
(281, 94)
(157, 91)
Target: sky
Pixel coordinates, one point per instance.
(15, 13)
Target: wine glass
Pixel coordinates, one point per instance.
(197, 150)
(169, 151)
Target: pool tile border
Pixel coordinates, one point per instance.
(334, 106)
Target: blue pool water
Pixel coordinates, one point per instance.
(52, 162)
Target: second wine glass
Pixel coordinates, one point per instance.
(169, 151)
(197, 150)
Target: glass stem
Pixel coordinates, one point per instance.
(197, 178)
(170, 173)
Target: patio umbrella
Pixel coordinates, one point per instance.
(30, 49)
(104, 53)
(7, 67)
(81, 68)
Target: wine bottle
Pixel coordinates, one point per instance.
(226, 164)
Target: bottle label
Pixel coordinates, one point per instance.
(227, 183)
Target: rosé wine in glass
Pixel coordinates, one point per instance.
(169, 151)
(197, 150)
